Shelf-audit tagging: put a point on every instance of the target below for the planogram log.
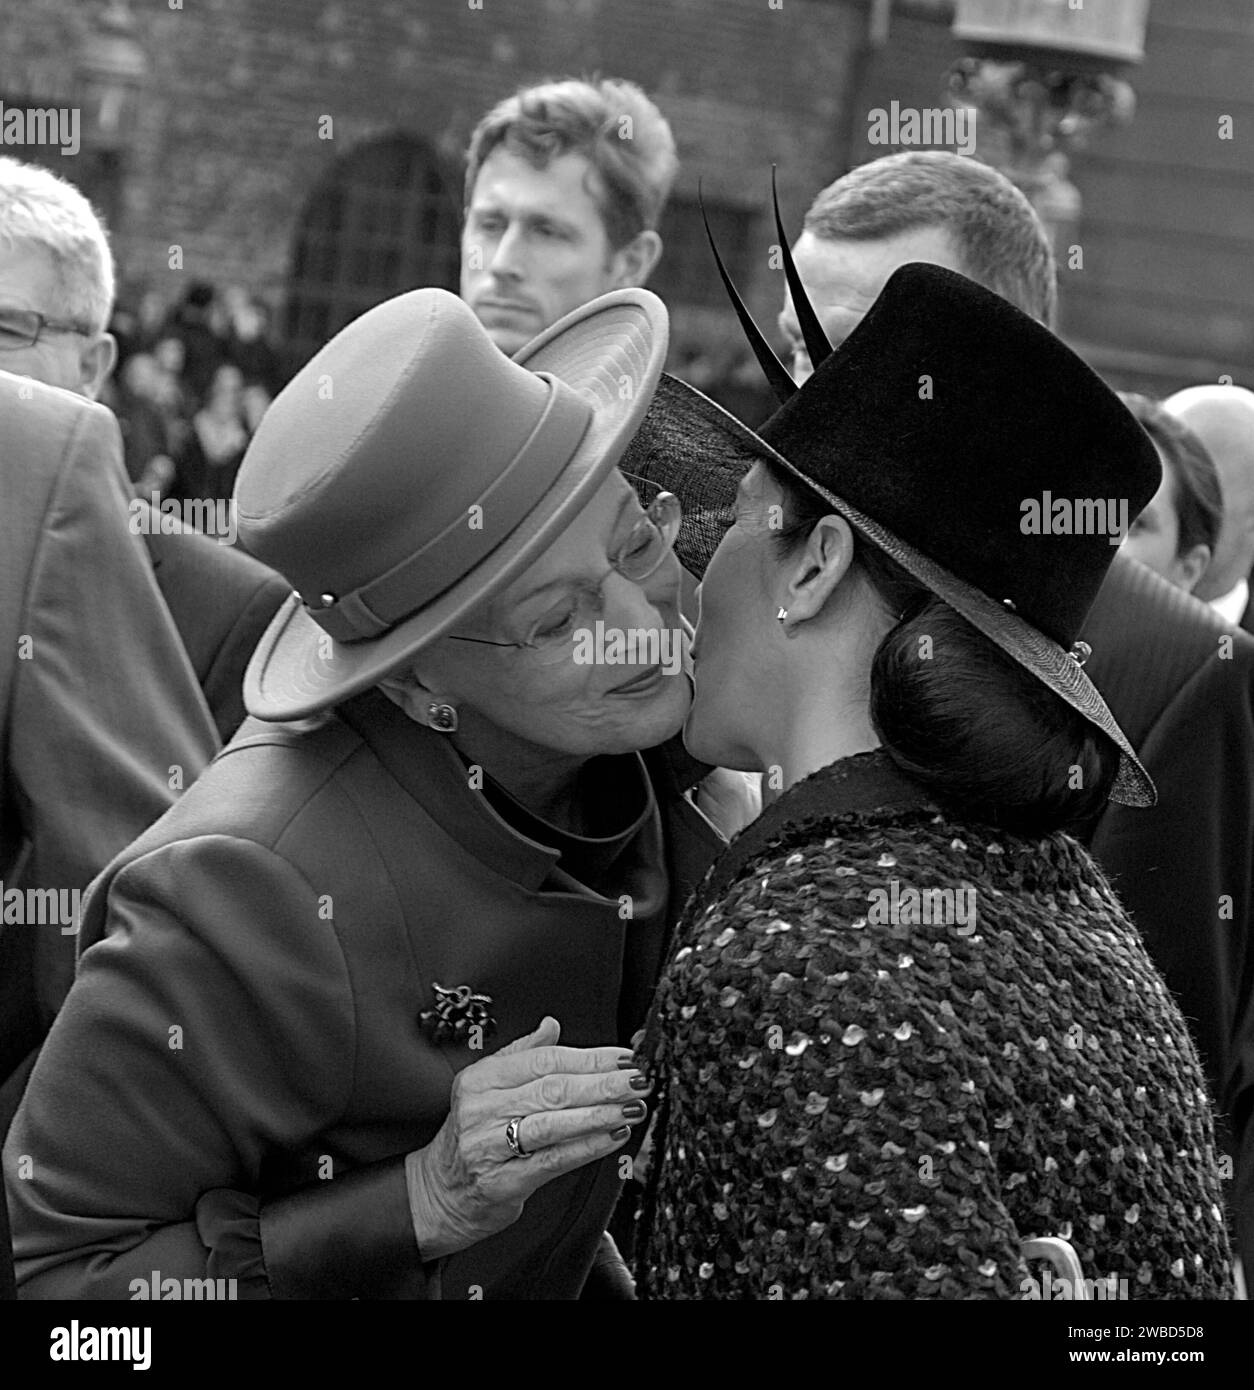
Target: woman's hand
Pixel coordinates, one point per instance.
(577, 1106)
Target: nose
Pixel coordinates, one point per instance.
(506, 261)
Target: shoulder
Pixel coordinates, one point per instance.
(913, 868)
(280, 819)
(262, 783)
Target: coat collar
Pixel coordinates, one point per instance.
(426, 766)
(863, 782)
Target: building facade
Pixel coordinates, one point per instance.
(311, 150)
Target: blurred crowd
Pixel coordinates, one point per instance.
(193, 381)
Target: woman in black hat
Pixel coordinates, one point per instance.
(907, 1029)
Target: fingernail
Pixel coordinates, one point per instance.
(626, 1063)
(640, 1082)
(634, 1110)
(621, 1133)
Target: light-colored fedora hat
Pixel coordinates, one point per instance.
(410, 470)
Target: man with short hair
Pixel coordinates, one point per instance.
(1179, 681)
(56, 297)
(1222, 417)
(565, 184)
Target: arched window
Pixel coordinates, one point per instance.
(384, 220)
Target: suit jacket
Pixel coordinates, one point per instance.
(1180, 681)
(221, 601)
(98, 703)
(238, 1072)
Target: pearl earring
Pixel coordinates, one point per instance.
(442, 718)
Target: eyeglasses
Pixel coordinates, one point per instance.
(23, 328)
(636, 559)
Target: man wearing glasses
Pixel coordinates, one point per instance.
(210, 602)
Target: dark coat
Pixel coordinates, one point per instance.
(244, 1028)
(1180, 682)
(221, 601)
(866, 1097)
(98, 706)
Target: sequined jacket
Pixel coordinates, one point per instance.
(895, 1045)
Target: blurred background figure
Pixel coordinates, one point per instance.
(1222, 417)
(248, 346)
(213, 448)
(134, 396)
(193, 323)
(564, 187)
(1177, 532)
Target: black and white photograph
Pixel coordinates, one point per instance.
(626, 675)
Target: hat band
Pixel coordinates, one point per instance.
(376, 607)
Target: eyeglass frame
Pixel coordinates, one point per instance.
(671, 525)
(43, 324)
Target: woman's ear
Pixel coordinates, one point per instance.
(406, 690)
(817, 570)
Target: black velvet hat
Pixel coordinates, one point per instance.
(963, 439)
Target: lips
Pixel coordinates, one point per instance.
(504, 306)
(645, 681)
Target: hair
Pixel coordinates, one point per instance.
(971, 725)
(997, 235)
(620, 132)
(40, 209)
(1196, 493)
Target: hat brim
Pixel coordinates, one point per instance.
(611, 351)
(698, 451)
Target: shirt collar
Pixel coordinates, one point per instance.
(1232, 605)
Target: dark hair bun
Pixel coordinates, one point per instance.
(981, 733)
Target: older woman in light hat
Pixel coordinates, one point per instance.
(278, 1064)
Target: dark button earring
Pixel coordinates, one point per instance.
(442, 718)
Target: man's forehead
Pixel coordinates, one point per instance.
(509, 178)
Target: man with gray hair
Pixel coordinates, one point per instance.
(1222, 417)
(56, 297)
(1178, 679)
(565, 184)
